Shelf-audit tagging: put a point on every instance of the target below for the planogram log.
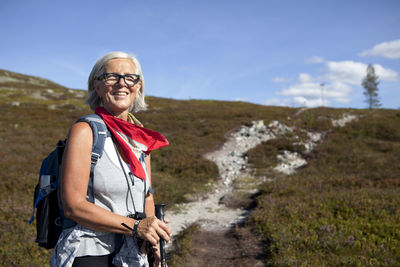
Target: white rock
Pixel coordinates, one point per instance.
(289, 162)
(346, 118)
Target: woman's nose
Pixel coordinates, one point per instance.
(121, 81)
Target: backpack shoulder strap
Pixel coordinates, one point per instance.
(100, 133)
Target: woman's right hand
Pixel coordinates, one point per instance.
(152, 229)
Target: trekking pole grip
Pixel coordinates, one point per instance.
(160, 215)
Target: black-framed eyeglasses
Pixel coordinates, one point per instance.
(113, 78)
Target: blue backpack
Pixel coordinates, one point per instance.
(50, 220)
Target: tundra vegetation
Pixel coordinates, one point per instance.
(342, 208)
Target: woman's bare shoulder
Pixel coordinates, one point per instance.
(81, 132)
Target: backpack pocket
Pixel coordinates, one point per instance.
(48, 218)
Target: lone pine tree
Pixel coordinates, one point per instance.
(370, 83)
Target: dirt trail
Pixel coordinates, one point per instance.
(236, 247)
(219, 240)
(210, 213)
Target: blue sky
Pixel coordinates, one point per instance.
(269, 52)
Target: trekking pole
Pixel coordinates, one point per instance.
(160, 216)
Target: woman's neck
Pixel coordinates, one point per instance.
(122, 115)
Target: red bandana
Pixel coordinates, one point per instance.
(133, 139)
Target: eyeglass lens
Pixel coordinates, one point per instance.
(113, 78)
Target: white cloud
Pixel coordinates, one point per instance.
(314, 60)
(385, 74)
(307, 92)
(335, 84)
(303, 89)
(386, 49)
(314, 102)
(338, 91)
(345, 71)
(304, 78)
(353, 72)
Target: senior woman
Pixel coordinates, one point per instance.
(121, 179)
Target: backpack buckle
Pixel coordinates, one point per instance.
(94, 157)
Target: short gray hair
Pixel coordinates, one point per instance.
(94, 101)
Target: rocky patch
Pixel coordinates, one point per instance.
(214, 212)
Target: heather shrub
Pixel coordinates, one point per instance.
(343, 208)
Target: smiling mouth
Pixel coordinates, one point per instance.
(120, 93)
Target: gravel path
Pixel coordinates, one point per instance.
(231, 162)
(209, 212)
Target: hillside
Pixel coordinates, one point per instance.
(342, 207)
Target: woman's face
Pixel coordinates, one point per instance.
(118, 98)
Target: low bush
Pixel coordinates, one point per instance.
(344, 207)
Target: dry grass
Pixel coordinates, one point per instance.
(37, 113)
(341, 209)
